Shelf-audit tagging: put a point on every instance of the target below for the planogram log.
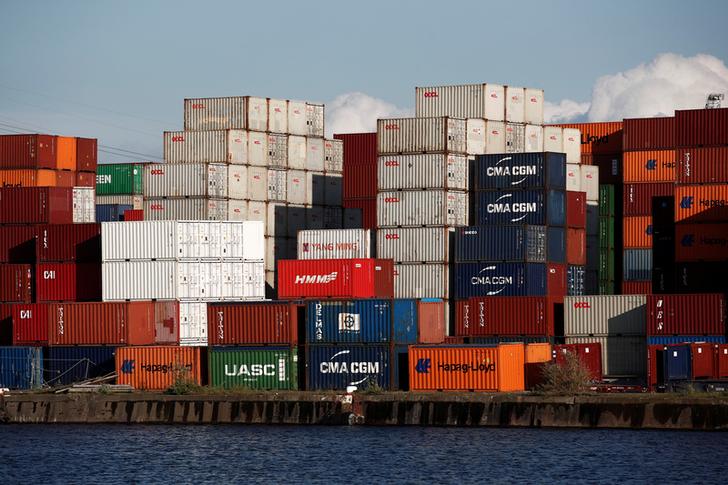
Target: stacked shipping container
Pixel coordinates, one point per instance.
(360, 179)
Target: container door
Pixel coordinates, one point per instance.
(297, 152)
(315, 154)
(278, 115)
(237, 180)
(495, 102)
(217, 181)
(257, 114)
(257, 148)
(315, 119)
(495, 140)
(237, 142)
(476, 136)
(297, 118)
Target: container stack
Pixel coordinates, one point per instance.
(360, 179)
(118, 190)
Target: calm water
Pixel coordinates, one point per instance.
(270, 454)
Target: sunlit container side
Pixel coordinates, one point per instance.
(701, 203)
(359, 148)
(67, 282)
(495, 137)
(297, 123)
(135, 201)
(269, 323)
(598, 138)
(637, 232)
(199, 209)
(193, 323)
(701, 242)
(354, 278)
(277, 150)
(649, 166)
(576, 246)
(17, 283)
(31, 178)
(21, 367)
(234, 112)
(265, 368)
(333, 156)
(572, 145)
(475, 136)
(505, 315)
(534, 139)
(36, 205)
(622, 356)
(422, 208)
(421, 281)
(637, 265)
(84, 210)
(553, 139)
(696, 314)
(534, 207)
(186, 180)
(467, 368)
(534, 244)
(573, 177)
(63, 366)
(605, 315)
(277, 115)
(85, 179)
(334, 244)
(29, 323)
(576, 280)
(157, 368)
(65, 153)
(702, 165)
(86, 154)
(315, 154)
(590, 355)
(349, 321)
(110, 212)
(28, 151)
(638, 197)
(220, 146)
(297, 187)
(423, 171)
(120, 178)
(509, 279)
(315, 119)
(701, 127)
(345, 366)
(533, 106)
(515, 138)
(649, 134)
(414, 244)
(419, 321)
(515, 104)
(418, 135)
(590, 182)
(519, 170)
(463, 101)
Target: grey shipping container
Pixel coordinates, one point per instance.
(233, 112)
(464, 101)
(422, 171)
(186, 180)
(192, 209)
(638, 265)
(422, 208)
(422, 281)
(335, 244)
(420, 135)
(621, 356)
(415, 244)
(605, 315)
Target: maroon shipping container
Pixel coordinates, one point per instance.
(637, 198)
(636, 287)
(652, 365)
(701, 242)
(556, 281)
(702, 165)
(30, 324)
(85, 179)
(590, 354)
(28, 151)
(505, 315)
(576, 209)
(67, 282)
(649, 134)
(16, 283)
(17, 244)
(694, 314)
(65, 178)
(703, 356)
(36, 205)
(368, 211)
(134, 215)
(69, 242)
(701, 127)
(343, 278)
(576, 247)
(86, 154)
(721, 361)
(360, 181)
(359, 148)
(274, 323)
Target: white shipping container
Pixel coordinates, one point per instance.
(590, 182)
(297, 118)
(553, 139)
(234, 112)
(237, 179)
(422, 171)
(334, 218)
(333, 190)
(573, 177)
(220, 146)
(333, 156)
(315, 217)
(495, 137)
(84, 205)
(572, 145)
(534, 106)
(418, 135)
(515, 138)
(315, 154)
(278, 115)
(605, 315)
(315, 119)
(246, 278)
(334, 244)
(257, 149)
(296, 220)
(274, 216)
(461, 101)
(621, 356)
(193, 323)
(185, 180)
(415, 244)
(237, 210)
(515, 105)
(258, 183)
(421, 281)
(277, 150)
(193, 209)
(135, 201)
(475, 137)
(422, 208)
(297, 187)
(297, 152)
(277, 185)
(534, 139)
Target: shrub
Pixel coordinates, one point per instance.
(567, 378)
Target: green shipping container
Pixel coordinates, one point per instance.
(119, 179)
(606, 264)
(606, 287)
(606, 232)
(607, 200)
(273, 368)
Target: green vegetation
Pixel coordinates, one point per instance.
(567, 379)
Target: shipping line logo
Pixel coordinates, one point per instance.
(486, 277)
(523, 171)
(315, 279)
(502, 206)
(129, 365)
(342, 367)
(689, 240)
(652, 164)
(423, 366)
(594, 140)
(688, 201)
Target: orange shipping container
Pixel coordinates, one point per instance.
(157, 368)
(701, 203)
(28, 178)
(467, 368)
(536, 357)
(637, 232)
(649, 166)
(536, 353)
(66, 153)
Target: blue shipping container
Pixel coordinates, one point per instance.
(592, 219)
(21, 367)
(337, 367)
(349, 321)
(111, 212)
(535, 207)
(575, 280)
(685, 339)
(677, 363)
(638, 265)
(501, 279)
(520, 171)
(66, 365)
(405, 321)
(531, 244)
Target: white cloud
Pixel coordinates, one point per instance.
(358, 112)
(657, 88)
(566, 110)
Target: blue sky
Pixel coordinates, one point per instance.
(120, 70)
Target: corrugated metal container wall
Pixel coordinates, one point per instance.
(252, 323)
(421, 281)
(297, 119)
(85, 179)
(701, 242)
(63, 366)
(515, 138)
(349, 321)
(354, 278)
(649, 166)
(333, 156)
(69, 242)
(235, 112)
(701, 127)
(192, 323)
(368, 214)
(600, 137)
(637, 264)
(638, 197)
(520, 171)
(432, 315)
(703, 360)
(637, 232)
(66, 153)
(187, 209)
(315, 154)
(422, 208)
(462, 101)
(534, 138)
(649, 134)
(157, 368)
(697, 314)
(533, 207)
(110, 212)
(136, 201)
(334, 244)
(575, 280)
(28, 151)
(36, 205)
(621, 356)
(536, 244)
(84, 205)
(86, 154)
(29, 324)
(221, 146)
(31, 178)
(253, 368)
(701, 203)
(605, 315)
(467, 368)
(339, 367)
(636, 287)
(590, 182)
(21, 367)
(680, 339)
(186, 180)
(507, 279)
(423, 171)
(17, 283)
(576, 209)
(17, 244)
(67, 282)
(417, 135)
(359, 148)
(119, 178)
(315, 119)
(722, 361)
(702, 165)
(505, 315)
(576, 246)
(414, 244)
(360, 181)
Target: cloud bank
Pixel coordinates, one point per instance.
(358, 112)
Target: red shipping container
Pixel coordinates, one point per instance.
(368, 208)
(701, 203)
(701, 242)
(721, 361)
(505, 315)
(85, 179)
(649, 166)
(649, 134)
(79, 243)
(604, 137)
(67, 282)
(65, 178)
(16, 283)
(134, 215)
(576, 247)
(703, 361)
(556, 281)
(252, 323)
(637, 198)
(590, 354)
(36, 205)
(694, 314)
(359, 148)
(431, 321)
(702, 165)
(345, 278)
(360, 181)
(576, 209)
(701, 127)
(610, 166)
(636, 287)
(17, 244)
(86, 155)
(30, 324)
(6, 324)
(28, 151)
